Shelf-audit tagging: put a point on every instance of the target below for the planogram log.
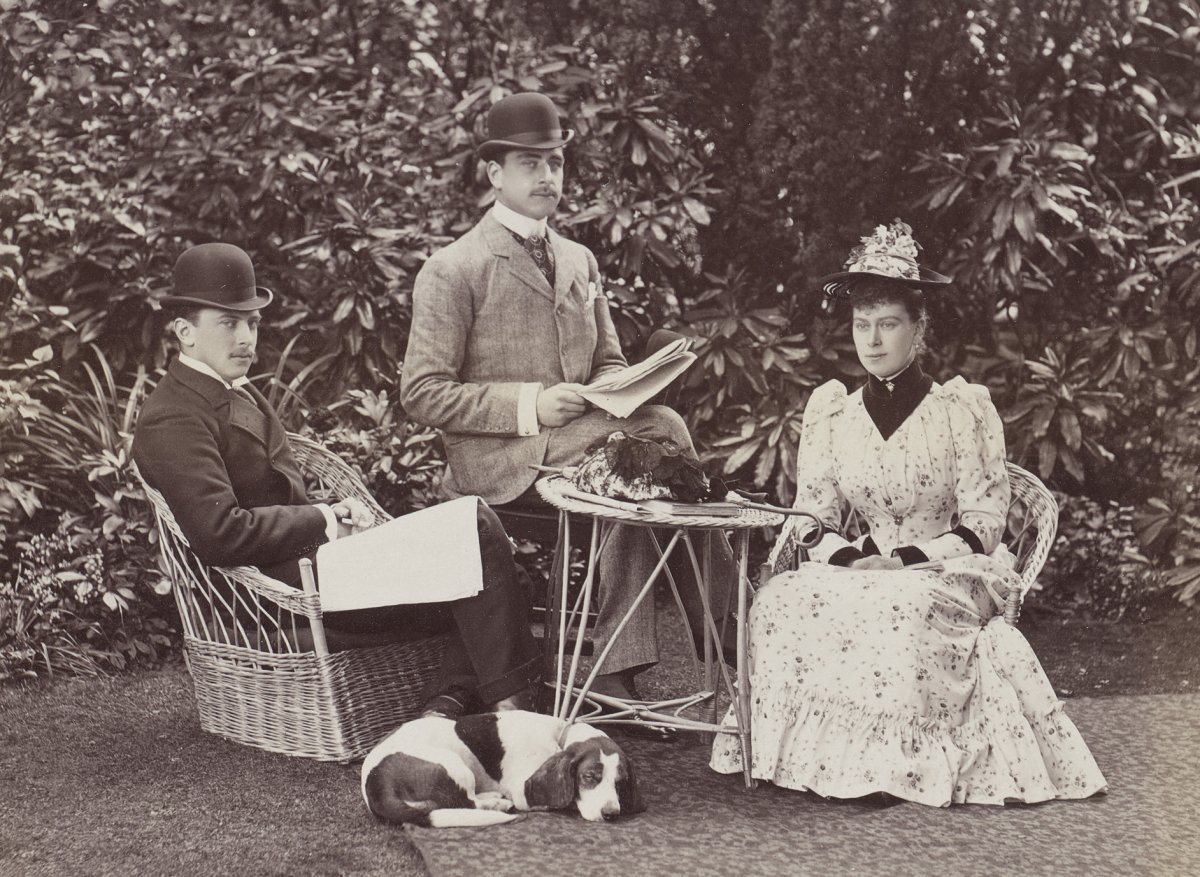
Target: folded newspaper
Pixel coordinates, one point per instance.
(428, 556)
(622, 392)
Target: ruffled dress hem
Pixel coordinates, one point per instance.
(850, 751)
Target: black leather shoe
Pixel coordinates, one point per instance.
(450, 704)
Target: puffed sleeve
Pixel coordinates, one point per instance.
(816, 479)
(981, 488)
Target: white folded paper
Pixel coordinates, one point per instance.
(429, 556)
(622, 392)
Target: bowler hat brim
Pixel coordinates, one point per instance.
(489, 150)
(263, 298)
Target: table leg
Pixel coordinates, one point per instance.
(710, 622)
(580, 610)
(697, 668)
(599, 660)
(742, 701)
(558, 612)
(712, 638)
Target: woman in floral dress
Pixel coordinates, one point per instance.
(870, 673)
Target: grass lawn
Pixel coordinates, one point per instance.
(114, 776)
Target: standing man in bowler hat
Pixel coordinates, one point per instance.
(216, 450)
(509, 322)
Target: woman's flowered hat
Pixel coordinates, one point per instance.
(889, 252)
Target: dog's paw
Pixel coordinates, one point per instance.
(493, 801)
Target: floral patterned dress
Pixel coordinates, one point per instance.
(905, 681)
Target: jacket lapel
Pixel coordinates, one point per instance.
(212, 390)
(236, 411)
(252, 418)
(564, 271)
(501, 242)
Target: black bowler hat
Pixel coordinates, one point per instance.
(528, 120)
(217, 276)
(888, 252)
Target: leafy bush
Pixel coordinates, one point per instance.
(69, 610)
(401, 462)
(1045, 151)
(1095, 567)
(85, 591)
(748, 387)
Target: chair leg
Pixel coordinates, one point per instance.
(554, 606)
(320, 646)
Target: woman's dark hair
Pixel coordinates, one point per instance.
(871, 292)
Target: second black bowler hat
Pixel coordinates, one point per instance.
(217, 276)
(528, 120)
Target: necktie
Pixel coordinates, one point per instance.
(539, 251)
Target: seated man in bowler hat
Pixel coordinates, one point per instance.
(509, 322)
(216, 450)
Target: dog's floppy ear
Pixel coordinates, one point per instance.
(552, 785)
(628, 794)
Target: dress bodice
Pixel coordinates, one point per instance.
(940, 473)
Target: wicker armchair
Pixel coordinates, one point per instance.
(1032, 523)
(264, 670)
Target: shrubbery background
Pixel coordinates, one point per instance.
(1046, 152)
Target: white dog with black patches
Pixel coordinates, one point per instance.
(478, 769)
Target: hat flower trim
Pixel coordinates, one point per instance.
(889, 250)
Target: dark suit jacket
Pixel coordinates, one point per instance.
(228, 474)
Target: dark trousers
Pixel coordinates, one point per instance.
(491, 651)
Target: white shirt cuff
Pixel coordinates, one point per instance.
(331, 524)
(527, 422)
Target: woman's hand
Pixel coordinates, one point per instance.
(876, 561)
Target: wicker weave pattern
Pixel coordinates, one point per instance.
(789, 545)
(247, 643)
(333, 708)
(1032, 523)
(332, 476)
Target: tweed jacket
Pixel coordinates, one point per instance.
(485, 320)
(226, 470)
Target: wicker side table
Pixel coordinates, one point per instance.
(570, 697)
